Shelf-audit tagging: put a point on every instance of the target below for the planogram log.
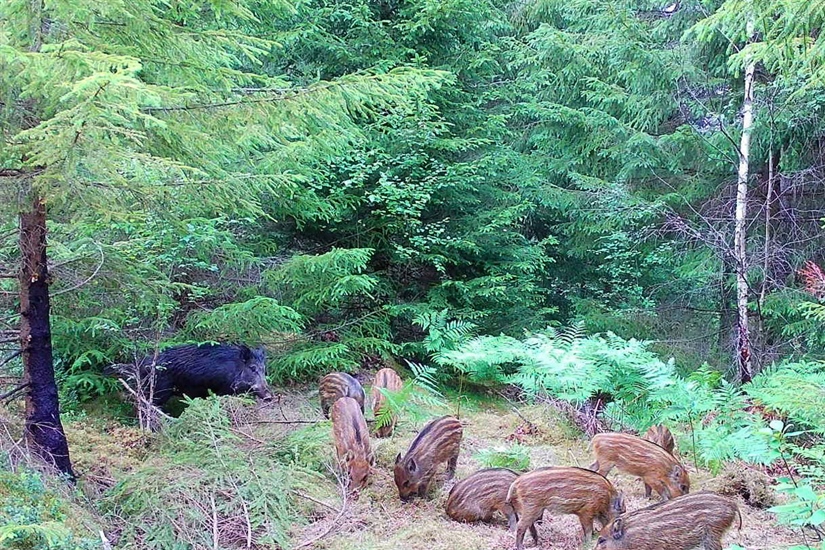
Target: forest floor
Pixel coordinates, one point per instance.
(375, 519)
(378, 520)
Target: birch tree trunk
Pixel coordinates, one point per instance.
(743, 347)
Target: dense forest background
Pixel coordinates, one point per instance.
(436, 180)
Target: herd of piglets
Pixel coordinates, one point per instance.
(681, 521)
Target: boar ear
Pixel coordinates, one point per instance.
(676, 473)
(398, 458)
(412, 466)
(246, 354)
(617, 529)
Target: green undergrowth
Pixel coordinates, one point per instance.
(209, 482)
(37, 512)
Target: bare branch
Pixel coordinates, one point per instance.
(9, 394)
(10, 357)
(89, 278)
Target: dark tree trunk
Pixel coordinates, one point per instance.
(44, 431)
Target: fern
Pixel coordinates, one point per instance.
(443, 334)
(796, 390)
(417, 397)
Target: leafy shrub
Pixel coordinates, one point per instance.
(516, 457)
(807, 505)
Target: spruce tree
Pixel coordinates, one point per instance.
(109, 109)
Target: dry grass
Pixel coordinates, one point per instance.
(377, 520)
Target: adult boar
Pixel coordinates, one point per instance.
(196, 370)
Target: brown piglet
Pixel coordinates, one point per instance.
(389, 380)
(336, 385)
(661, 436)
(698, 520)
(639, 457)
(437, 442)
(352, 441)
(563, 490)
(481, 495)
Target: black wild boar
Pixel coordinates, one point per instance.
(479, 496)
(196, 370)
(639, 457)
(352, 441)
(389, 379)
(698, 520)
(336, 385)
(439, 441)
(563, 490)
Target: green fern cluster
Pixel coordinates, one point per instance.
(640, 389)
(796, 390)
(416, 399)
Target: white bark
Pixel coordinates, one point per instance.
(743, 350)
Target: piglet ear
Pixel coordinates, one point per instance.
(246, 354)
(619, 507)
(398, 458)
(371, 459)
(617, 529)
(412, 466)
(348, 456)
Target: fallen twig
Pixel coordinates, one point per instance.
(315, 500)
(11, 392)
(334, 523)
(288, 421)
(246, 435)
(215, 539)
